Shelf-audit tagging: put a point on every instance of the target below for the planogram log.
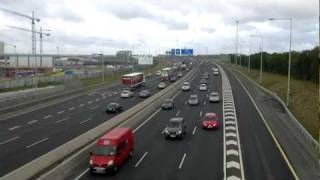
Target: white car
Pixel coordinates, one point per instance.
(126, 94)
(186, 86)
(162, 85)
(215, 73)
(214, 97)
(158, 73)
(203, 87)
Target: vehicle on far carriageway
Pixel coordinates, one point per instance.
(126, 94)
(144, 93)
(111, 151)
(133, 80)
(113, 108)
(162, 85)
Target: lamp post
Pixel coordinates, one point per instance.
(237, 41)
(261, 56)
(289, 60)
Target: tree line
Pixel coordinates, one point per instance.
(304, 64)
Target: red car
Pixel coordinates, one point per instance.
(111, 151)
(210, 121)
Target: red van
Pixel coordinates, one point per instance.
(111, 150)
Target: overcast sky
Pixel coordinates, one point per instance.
(153, 26)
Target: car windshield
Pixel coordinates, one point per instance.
(105, 150)
(174, 124)
(210, 118)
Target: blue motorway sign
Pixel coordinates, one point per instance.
(177, 51)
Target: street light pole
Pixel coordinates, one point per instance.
(261, 56)
(289, 60)
(237, 31)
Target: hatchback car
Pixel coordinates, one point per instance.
(203, 87)
(175, 128)
(168, 104)
(210, 121)
(203, 81)
(173, 79)
(214, 97)
(144, 93)
(180, 74)
(113, 108)
(126, 94)
(193, 100)
(162, 85)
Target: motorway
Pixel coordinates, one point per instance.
(28, 136)
(201, 154)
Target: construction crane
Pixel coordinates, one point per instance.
(33, 34)
(41, 34)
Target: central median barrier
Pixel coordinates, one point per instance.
(67, 158)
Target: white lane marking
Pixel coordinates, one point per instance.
(182, 160)
(233, 178)
(89, 119)
(230, 122)
(81, 174)
(200, 113)
(71, 109)
(48, 116)
(89, 102)
(31, 122)
(61, 120)
(231, 142)
(232, 152)
(81, 105)
(140, 160)
(9, 140)
(38, 142)
(103, 97)
(94, 107)
(60, 112)
(144, 122)
(13, 128)
(230, 128)
(178, 112)
(204, 103)
(194, 130)
(233, 164)
(97, 99)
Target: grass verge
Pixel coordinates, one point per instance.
(303, 100)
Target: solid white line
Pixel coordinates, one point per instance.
(182, 160)
(9, 140)
(31, 122)
(89, 102)
(144, 122)
(80, 175)
(13, 128)
(60, 112)
(270, 131)
(144, 155)
(94, 107)
(81, 105)
(61, 120)
(178, 112)
(38, 142)
(48, 116)
(72, 108)
(194, 130)
(200, 113)
(89, 119)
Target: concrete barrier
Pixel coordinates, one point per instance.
(35, 167)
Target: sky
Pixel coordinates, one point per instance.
(154, 26)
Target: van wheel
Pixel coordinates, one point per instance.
(115, 169)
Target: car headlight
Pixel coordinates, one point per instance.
(90, 162)
(110, 163)
(179, 132)
(166, 131)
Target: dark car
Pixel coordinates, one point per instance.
(176, 128)
(113, 108)
(173, 79)
(168, 104)
(144, 93)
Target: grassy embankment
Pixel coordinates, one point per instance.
(303, 101)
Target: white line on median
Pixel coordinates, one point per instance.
(38, 142)
(182, 160)
(13, 128)
(31, 122)
(144, 155)
(89, 119)
(9, 140)
(80, 175)
(194, 130)
(177, 114)
(200, 113)
(144, 122)
(48, 116)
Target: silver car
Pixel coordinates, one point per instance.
(186, 86)
(214, 97)
(193, 100)
(162, 85)
(203, 87)
(126, 94)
